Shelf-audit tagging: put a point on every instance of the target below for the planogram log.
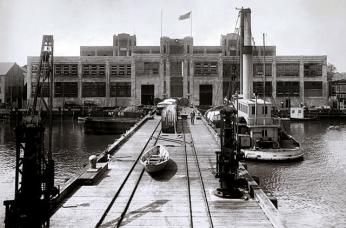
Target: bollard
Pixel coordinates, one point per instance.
(92, 161)
(274, 201)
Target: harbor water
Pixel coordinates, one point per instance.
(71, 149)
(310, 193)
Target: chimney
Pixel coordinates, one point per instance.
(247, 54)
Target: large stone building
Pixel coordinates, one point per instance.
(124, 74)
(11, 85)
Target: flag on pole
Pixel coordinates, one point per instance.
(185, 16)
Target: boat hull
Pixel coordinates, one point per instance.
(280, 154)
(155, 168)
(155, 159)
(108, 125)
(303, 119)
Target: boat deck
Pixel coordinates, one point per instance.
(181, 195)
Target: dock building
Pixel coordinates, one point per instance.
(338, 94)
(126, 74)
(11, 85)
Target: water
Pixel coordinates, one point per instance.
(310, 193)
(71, 149)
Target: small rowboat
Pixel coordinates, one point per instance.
(155, 159)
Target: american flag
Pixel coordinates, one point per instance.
(185, 16)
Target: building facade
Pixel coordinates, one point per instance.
(338, 94)
(11, 85)
(127, 74)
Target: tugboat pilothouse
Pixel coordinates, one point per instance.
(261, 136)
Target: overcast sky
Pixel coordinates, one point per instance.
(296, 27)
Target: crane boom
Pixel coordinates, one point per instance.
(34, 179)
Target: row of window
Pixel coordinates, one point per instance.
(147, 68)
(176, 49)
(258, 69)
(282, 69)
(287, 89)
(121, 70)
(66, 70)
(312, 69)
(258, 88)
(201, 69)
(263, 110)
(205, 68)
(123, 89)
(176, 69)
(283, 89)
(243, 108)
(339, 88)
(89, 89)
(93, 70)
(151, 67)
(72, 69)
(120, 89)
(89, 70)
(313, 89)
(291, 69)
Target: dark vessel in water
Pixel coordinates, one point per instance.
(108, 125)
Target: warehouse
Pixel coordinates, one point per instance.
(126, 74)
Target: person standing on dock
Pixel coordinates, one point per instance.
(192, 115)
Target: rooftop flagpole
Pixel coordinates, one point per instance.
(191, 24)
(264, 77)
(161, 23)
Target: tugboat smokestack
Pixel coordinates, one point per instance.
(247, 54)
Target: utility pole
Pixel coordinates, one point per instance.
(264, 79)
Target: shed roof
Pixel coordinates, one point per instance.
(5, 67)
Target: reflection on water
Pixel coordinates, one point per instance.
(311, 193)
(71, 149)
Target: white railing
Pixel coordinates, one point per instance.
(262, 121)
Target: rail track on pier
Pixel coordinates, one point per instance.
(151, 141)
(201, 182)
(134, 177)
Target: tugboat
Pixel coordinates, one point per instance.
(260, 135)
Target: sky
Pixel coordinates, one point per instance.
(296, 27)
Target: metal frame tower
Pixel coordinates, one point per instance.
(34, 179)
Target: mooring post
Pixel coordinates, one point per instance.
(92, 161)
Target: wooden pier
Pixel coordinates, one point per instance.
(180, 196)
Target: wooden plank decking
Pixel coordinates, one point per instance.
(160, 200)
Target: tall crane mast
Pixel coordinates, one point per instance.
(34, 179)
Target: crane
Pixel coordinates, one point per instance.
(34, 178)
